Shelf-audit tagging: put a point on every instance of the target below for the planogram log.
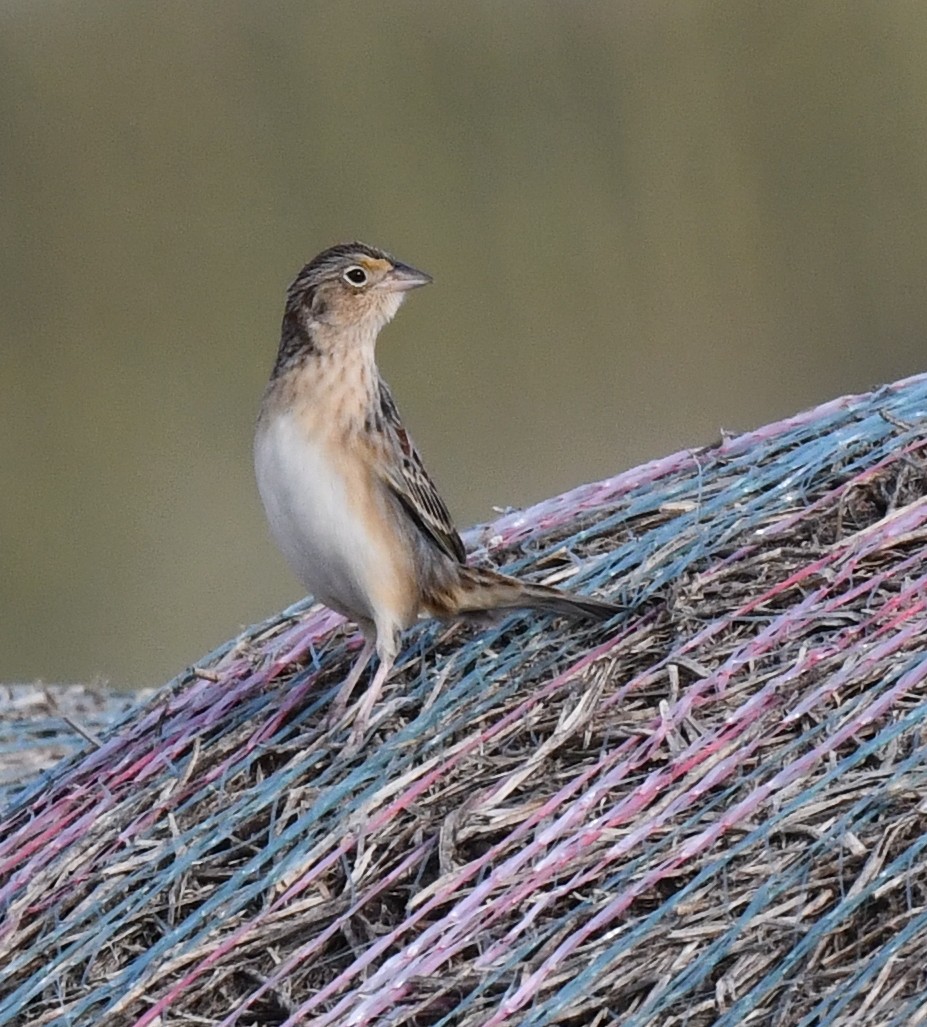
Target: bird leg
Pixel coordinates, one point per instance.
(362, 717)
(340, 703)
(387, 645)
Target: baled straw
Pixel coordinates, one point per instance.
(710, 811)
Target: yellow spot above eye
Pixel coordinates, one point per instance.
(375, 263)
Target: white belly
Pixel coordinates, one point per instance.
(317, 521)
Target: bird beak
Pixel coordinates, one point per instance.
(402, 278)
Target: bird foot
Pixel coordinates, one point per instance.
(362, 727)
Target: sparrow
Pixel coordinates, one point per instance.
(347, 497)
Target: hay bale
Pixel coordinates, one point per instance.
(710, 812)
(41, 724)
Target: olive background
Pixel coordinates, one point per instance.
(647, 222)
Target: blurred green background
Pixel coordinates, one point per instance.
(646, 222)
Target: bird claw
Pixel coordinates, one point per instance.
(362, 727)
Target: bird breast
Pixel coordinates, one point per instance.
(321, 505)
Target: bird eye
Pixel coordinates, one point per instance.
(355, 275)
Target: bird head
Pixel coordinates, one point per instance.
(352, 288)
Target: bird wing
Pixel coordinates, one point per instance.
(406, 477)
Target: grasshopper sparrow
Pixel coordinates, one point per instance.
(347, 497)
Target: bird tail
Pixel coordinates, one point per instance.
(481, 590)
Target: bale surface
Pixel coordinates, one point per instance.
(41, 724)
(711, 811)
